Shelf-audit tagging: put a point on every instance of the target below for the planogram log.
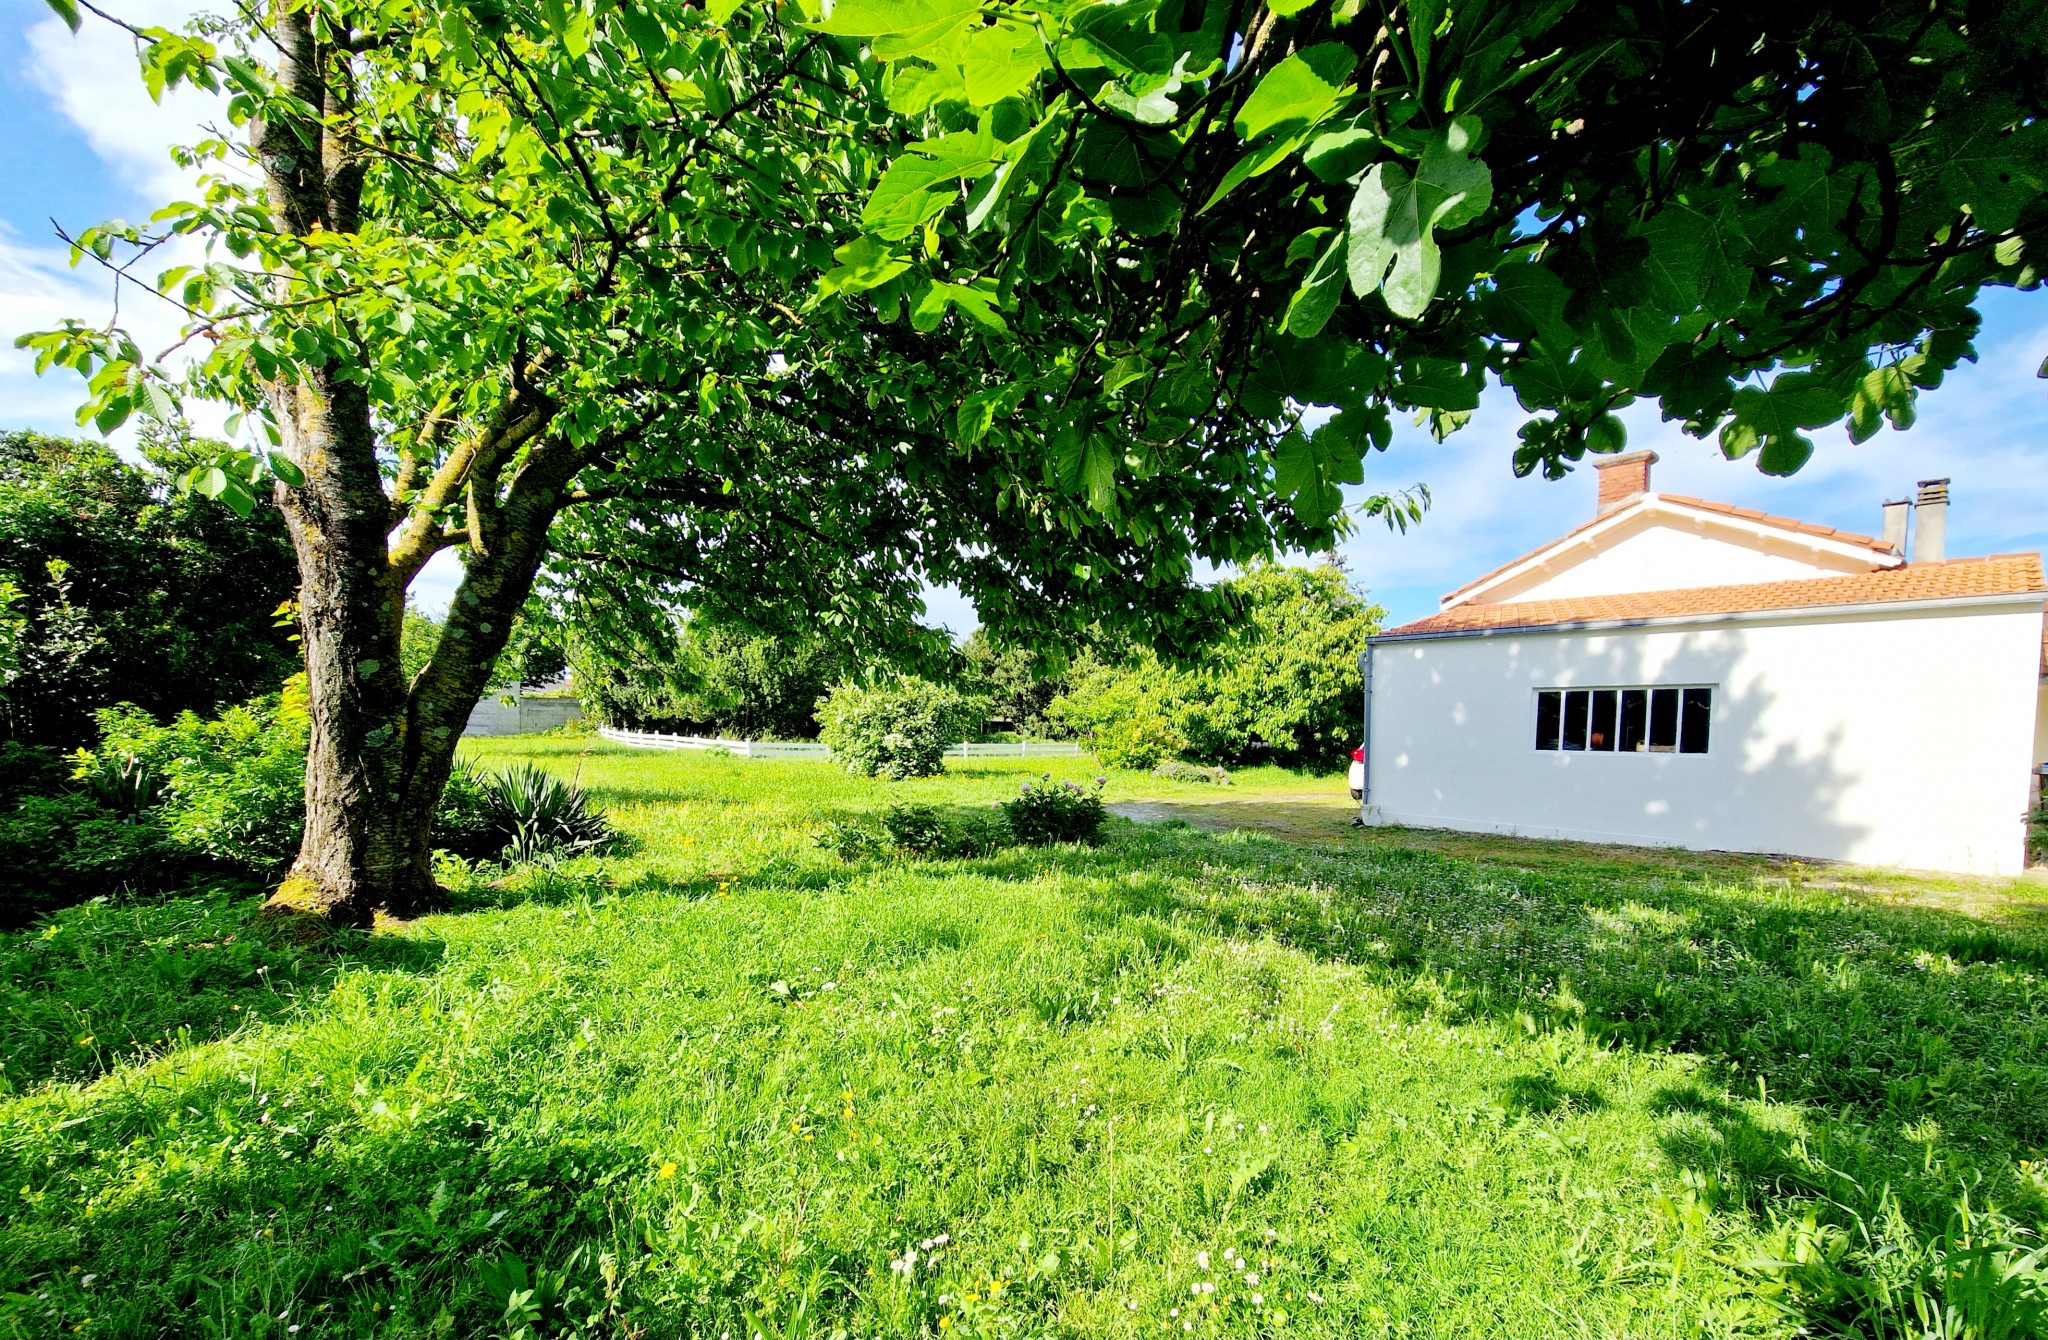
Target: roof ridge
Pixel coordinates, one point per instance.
(1684, 500)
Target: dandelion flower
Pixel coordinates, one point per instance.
(668, 1170)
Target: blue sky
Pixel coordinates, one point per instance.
(84, 143)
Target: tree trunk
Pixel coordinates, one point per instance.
(381, 749)
(367, 826)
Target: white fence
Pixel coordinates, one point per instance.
(649, 739)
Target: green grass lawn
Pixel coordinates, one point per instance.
(1202, 1079)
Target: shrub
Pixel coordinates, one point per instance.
(129, 591)
(232, 788)
(56, 850)
(1174, 770)
(532, 813)
(952, 831)
(464, 823)
(1047, 811)
(1279, 681)
(852, 840)
(898, 729)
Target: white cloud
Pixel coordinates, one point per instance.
(91, 76)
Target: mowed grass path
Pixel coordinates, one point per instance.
(1186, 1083)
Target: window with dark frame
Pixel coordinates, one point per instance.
(1675, 720)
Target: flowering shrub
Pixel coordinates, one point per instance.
(1047, 811)
(896, 730)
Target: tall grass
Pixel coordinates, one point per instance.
(1181, 1083)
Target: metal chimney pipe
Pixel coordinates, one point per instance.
(1930, 522)
(1895, 514)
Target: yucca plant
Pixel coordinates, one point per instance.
(539, 814)
(517, 815)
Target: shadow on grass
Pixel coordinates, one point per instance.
(1913, 1040)
(107, 982)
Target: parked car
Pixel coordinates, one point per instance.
(1358, 773)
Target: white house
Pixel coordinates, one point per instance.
(1683, 673)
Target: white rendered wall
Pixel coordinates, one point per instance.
(1898, 740)
(1664, 551)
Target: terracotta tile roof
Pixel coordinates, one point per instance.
(2001, 574)
(1698, 505)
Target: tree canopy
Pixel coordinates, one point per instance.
(1766, 218)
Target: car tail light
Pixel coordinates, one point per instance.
(1358, 754)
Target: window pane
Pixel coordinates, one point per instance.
(1635, 720)
(1663, 720)
(1697, 707)
(1601, 734)
(1549, 706)
(1575, 719)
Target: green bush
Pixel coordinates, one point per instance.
(533, 813)
(1279, 682)
(232, 787)
(1047, 811)
(1174, 770)
(948, 831)
(56, 850)
(126, 590)
(897, 729)
(465, 822)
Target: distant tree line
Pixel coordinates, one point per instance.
(1272, 679)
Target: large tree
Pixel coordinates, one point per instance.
(507, 277)
(1766, 216)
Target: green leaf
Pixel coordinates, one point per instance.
(1391, 251)
(1452, 187)
(1284, 8)
(1314, 302)
(1340, 155)
(67, 10)
(874, 18)
(286, 469)
(1784, 455)
(1299, 90)
(1254, 164)
(999, 62)
(1393, 218)
(976, 300)
(1116, 37)
(157, 403)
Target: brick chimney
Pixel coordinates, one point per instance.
(1623, 479)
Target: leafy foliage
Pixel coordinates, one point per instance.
(1048, 811)
(898, 728)
(232, 786)
(1281, 680)
(1176, 770)
(119, 590)
(1765, 218)
(696, 678)
(948, 831)
(1018, 683)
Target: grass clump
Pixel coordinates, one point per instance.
(1181, 1079)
